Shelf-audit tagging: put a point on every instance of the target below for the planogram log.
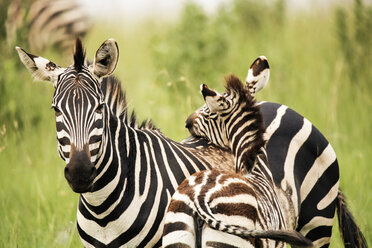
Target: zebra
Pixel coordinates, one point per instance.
(48, 23)
(215, 121)
(119, 208)
(125, 172)
(244, 199)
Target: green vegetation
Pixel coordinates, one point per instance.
(320, 66)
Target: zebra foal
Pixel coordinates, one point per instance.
(246, 201)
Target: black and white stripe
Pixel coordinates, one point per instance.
(125, 192)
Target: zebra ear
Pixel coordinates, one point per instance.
(41, 68)
(213, 99)
(106, 59)
(258, 75)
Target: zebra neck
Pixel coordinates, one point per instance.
(245, 139)
(111, 170)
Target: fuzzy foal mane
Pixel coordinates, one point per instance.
(233, 83)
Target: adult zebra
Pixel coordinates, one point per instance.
(125, 172)
(223, 120)
(117, 206)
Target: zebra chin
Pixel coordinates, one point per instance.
(81, 187)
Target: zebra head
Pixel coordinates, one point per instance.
(231, 120)
(211, 121)
(79, 106)
(208, 121)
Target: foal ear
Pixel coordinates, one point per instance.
(40, 68)
(213, 99)
(258, 75)
(106, 59)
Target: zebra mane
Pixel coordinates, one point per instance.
(79, 55)
(233, 83)
(116, 100)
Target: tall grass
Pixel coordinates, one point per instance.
(161, 65)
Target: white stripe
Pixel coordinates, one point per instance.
(66, 148)
(274, 125)
(295, 144)
(320, 165)
(329, 198)
(316, 222)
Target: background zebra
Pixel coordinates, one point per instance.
(121, 188)
(217, 198)
(312, 215)
(46, 23)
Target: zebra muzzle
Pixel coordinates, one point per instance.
(80, 171)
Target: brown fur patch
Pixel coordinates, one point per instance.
(237, 209)
(179, 206)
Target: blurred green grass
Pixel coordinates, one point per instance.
(161, 65)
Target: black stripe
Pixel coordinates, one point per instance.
(89, 238)
(277, 146)
(312, 148)
(309, 206)
(177, 226)
(268, 110)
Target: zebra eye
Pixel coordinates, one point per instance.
(56, 110)
(99, 109)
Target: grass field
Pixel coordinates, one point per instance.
(161, 65)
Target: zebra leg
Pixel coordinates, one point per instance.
(180, 226)
(199, 223)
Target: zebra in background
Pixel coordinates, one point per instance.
(48, 23)
(124, 157)
(309, 194)
(211, 199)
